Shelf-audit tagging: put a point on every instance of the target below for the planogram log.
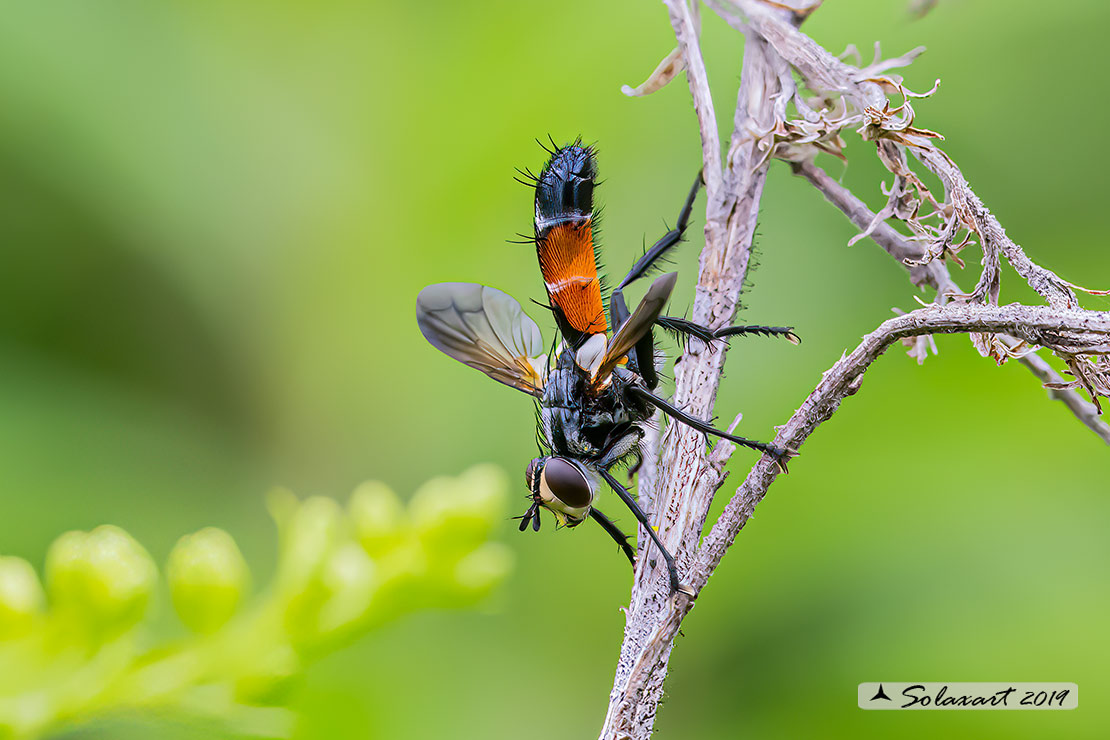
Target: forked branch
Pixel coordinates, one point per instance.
(934, 273)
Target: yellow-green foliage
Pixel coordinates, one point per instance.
(82, 652)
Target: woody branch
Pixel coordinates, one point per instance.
(841, 96)
(687, 478)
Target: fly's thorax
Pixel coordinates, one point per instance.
(567, 434)
(560, 410)
(565, 384)
(563, 486)
(581, 420)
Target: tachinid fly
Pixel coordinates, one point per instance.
(596, 393)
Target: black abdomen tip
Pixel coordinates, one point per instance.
(565, 190)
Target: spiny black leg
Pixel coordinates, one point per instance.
(643, 356)
(668, 240)
(682, 326)
(641, 517)
(644, 264)
(786, 332)
(695, 423)
(704, 333)
(620, 537)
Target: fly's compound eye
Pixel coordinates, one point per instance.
(564, 481)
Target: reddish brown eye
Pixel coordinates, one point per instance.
(566, 482)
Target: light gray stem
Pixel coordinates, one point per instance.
(686, 480)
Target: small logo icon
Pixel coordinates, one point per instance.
(880, 694)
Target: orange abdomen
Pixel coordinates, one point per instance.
(569, 271)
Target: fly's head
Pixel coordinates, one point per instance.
(563, 486)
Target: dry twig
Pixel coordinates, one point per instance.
(934, 273)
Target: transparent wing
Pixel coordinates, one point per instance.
(486, 329)
(638, 324)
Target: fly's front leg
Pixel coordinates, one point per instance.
(614, 531)
(627, 444)
(638, 454)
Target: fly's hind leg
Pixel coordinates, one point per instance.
(665, 243)
(643, 355)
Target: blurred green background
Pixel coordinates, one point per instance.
(215, 218)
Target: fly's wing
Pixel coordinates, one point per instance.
(485, 329)
(638, 324)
